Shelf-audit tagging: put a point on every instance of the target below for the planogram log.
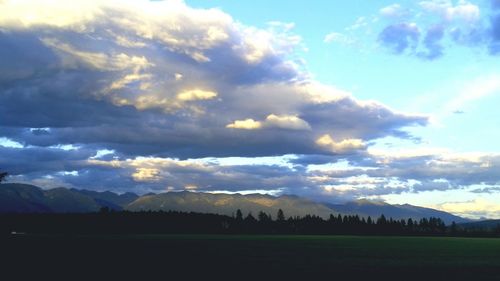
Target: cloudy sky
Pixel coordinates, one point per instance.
(332, 100)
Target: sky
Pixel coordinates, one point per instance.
(331, 100)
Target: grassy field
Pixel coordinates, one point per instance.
(251, 257)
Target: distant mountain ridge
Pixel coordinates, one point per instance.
(227, 204)
(484, 224)
(376, 208)
(23, 198)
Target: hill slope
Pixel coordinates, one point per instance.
(22, 198)
(109, 199)
(227, 204)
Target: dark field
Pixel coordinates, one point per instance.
(252, 257)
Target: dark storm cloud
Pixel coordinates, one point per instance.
(42, 160)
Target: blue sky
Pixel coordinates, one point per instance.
(332, 100)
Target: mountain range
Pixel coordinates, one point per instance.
(24, 198)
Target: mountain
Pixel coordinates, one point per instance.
(64, 200)
(23, 198)
(109, 199)
(376, 208)
(227, 204)
(485, 224)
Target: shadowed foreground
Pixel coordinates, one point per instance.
(241, 256)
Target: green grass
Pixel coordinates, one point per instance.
(430, 258)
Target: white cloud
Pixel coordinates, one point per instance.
(146, 175)
(99, 61)
(28, 13)
(320, 93)
(290, 122)
(464, 10)
(336, 37)
(196, 94)
(393, 11)
(327, 142)
(247, 124)
(5, 142)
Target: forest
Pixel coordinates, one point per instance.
(107, 221)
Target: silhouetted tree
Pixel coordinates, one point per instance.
(3, 176)
(369, 220)
(453, 228)
(280, 216)
(125, 222)
(250, 218)
(239, 215)
(496, 230)
(263, 217)
(410, 224)
(382, 220)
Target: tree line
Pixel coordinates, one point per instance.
(159, 222)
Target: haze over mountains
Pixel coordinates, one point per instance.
(23, 198)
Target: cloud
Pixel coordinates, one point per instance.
(475, 209)
(393, 11)
(18, 160)
(71, 57)
(159, 173)
(336, 37)
(457, 170)
(400, 37)
(290, 122)
(247, 124)
(432, 42)
(494, 46)
(352, 173)
(328, 143)
(495, 4)
(146, 175)
(196, 94)
(446, 24)
(464, 10)
(159, 85)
